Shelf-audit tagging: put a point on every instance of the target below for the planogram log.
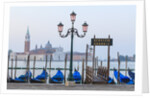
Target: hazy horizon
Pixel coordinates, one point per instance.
(118, 21)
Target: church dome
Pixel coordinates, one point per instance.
(48, 45)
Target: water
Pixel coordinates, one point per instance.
(56, 64)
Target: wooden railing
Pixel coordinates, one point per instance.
(89, 74)
(102, 72)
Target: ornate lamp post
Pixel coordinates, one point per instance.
(73, 31)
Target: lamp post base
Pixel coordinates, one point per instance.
(70, 83)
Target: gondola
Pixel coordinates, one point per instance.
(22, 78)
(40, 78)
(131, 74)
(58, 78)
(111, 81)
(123, 79)
(77, 76)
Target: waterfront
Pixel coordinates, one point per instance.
(56, 64)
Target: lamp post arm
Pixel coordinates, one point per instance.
(64, 36)
(76, 32)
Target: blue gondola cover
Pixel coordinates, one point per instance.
(40, 78)
(22, 78)
(123, 79)
(58, 78)
(131, 74)
(77, 76)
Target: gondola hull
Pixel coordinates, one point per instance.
(77, 77)
(40, 78)
(58, 78)
(123, 79)
(131, 74)
(18, 81)
(55, 81)
(37, 81)
(22, 78)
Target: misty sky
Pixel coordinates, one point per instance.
(118, 21)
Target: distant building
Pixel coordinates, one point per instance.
(41, 52)
(27, 42)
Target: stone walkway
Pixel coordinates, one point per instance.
(104, 87)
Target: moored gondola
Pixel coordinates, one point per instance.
(22, 78)
(111, 81)
(131, 74)
(77, 76)
(58, 78)
(123, 79)
(40, 78)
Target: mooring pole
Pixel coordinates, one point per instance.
(46, 68)
(101, 63)
(118, 80)
(34, 66)
(108, 60)
(65, 68)
(86, 57)
(12, 68)
(77, 67)
(82, 71)
(96, 65)
(93, 58)
(15, 66)
(28, 71)
(50, 66)
(126, 66)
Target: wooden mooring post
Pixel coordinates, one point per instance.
(86, 59)
(34, 66)
(46, 68)
(96, 65)
(65, 68)
(101, 63)
(28, 68)
(126, 66)
(50, 62)
(108, 60)
(15, 66)
(82, 71)
(93, 65)
(12, 68)
(86, 56)
(118, 80)
(78, 67)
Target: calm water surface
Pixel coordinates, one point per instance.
(56, 64)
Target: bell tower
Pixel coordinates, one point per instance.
(27, 42)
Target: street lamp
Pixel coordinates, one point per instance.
(72, 31)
